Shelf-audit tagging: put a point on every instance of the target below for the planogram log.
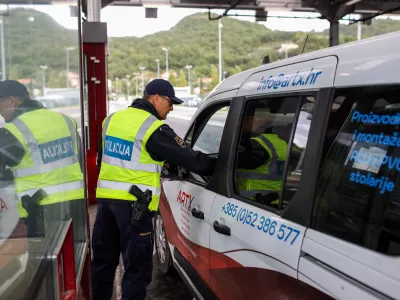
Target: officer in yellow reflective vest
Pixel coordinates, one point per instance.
(41, 148)
(260, 166)
(265, 179)
(135, 144)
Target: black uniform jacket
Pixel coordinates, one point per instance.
(165, 144)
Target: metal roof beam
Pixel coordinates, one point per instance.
(333, 11)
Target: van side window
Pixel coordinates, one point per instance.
(358, 189)
(272, 143)
(206, 133)
(208, 136)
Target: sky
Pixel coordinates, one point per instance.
(131, 21)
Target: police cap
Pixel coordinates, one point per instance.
(163, 88)
(12, 88)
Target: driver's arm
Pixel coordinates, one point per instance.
(165, 144)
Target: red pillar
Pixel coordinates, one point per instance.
(95, 63)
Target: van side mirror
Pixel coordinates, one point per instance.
(265, 60)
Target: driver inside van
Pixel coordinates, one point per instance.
(261, 161)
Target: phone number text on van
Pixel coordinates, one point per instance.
(273, 228)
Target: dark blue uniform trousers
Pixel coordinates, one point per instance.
(113, 234)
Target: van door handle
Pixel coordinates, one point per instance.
(222, 229)
(197, 214)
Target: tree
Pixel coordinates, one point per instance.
(53, 81)
(182, 79)
(62, 77)
(14, 72)
(238, 69)
(214, 76)
(173, 79)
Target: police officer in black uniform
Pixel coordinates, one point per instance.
(163, 145)
(15, 101)
(11, 150)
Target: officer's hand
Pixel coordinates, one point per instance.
(182, 173)
(164, 170)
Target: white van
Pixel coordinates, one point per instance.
(303, 202)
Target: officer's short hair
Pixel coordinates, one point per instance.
(146, 96)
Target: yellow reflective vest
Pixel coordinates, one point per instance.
(267, 177)
(125, 160)
(51, 159)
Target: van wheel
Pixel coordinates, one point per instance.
(163, 255)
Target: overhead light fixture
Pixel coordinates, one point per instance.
(261, 15)
(352, 2)
(151, 12)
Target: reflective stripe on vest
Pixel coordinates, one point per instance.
(125, 186)
(266, 178)
(51, 158)
(54, 189)
(125, 160)
(272, 174)
(134, 163)
(38, 166)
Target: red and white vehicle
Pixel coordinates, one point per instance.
(336, 230)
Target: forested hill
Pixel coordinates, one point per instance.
(193, 41)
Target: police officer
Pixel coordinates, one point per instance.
(135, 145)
(41, 148)
(260, 163)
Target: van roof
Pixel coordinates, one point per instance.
(369, 55)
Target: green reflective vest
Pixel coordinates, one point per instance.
(51, 160)
(125, 160)
(267, 177)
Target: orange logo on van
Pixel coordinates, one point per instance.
(185, 199)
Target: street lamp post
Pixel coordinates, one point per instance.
(3, 54)
(166, 60)
(189, 67)
(142, 69)
(158, 67)
(43, 78)
(128, 84)
(136, 75)
(67, 69)
(220, 49)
